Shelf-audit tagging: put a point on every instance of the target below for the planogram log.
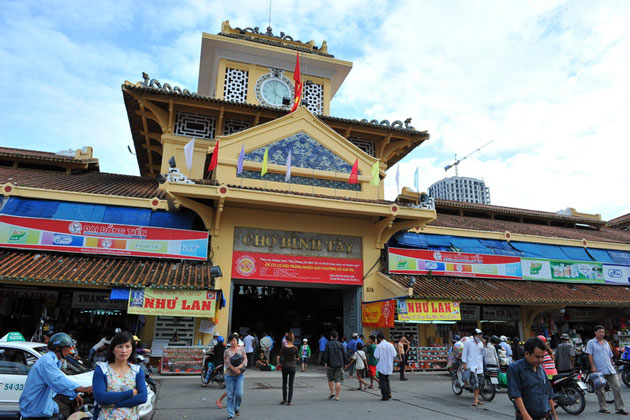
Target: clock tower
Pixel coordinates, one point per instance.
(249, 66)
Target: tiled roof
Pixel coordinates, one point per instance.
(475, 223)
(76, 269)
(89, 182)
(513, 211)
(515, 291)
(278, 43)
(39, 155)
(620, 221)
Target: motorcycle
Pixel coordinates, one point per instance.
(143, 362)
(569, 392)
(210, 372)
(487, 390)
(624, 366)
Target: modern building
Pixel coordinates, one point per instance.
(459, 188)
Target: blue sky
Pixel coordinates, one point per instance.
(547, 80)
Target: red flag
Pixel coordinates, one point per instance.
(215, 157)
(298, 84)
(354, 175)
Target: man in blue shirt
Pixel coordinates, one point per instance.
(351, 349)
(322, 347)
(45, 380)
(528, 385)
(600, 358)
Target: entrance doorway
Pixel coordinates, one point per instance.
(307, 312)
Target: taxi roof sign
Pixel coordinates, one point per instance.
(13, 336)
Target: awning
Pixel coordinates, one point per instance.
(515, 291)
(75, 269)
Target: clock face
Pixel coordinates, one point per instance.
(273, 91)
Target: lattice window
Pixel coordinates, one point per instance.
(366, 145)
(314, 98)
(232, 125)
(235, 87)
(171, 327)
(194, 125)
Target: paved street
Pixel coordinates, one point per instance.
(425, 395)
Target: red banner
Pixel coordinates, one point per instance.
(102, 238)
(296, 268)
(378, 314)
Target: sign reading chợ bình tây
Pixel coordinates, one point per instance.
(151, 301)
(422, 310)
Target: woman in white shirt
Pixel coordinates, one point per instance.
(360, 359)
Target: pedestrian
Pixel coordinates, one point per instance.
(565, 355)
(472, 359)
(284, 338)
(403, 355)
(548, 363)
(359, 359)
(508, 350)
(369, 351)
(101, 345)
(600, 358)
(385, 353)
(119, 384)
(322, 347)
(287, 357)
(517, 350)
(490, 355)
(528, 386)
(249, 342)
(266, 344)
(235, 361)
(351, 348)
(334, 361)
(305, 354)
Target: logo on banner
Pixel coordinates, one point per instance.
(387, 310)
(75, 227)
(62, 240)
(17, 235)
(211, 295)
(402, 306)
(246, 265)
(106, 243)
(437, 255)
(614, 273)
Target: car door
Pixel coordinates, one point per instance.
(13, 373)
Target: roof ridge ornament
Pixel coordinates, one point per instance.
(155, 83)
(396, 124)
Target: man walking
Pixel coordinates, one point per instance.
(472, 358)
(334, 361)
(528, 385)
(322, 347)
(565, 355)
(600, 358)
(248, 341)
(385, 353)
(372, 362)
(352, 348)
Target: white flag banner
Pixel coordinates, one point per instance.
(287, 176)
(397, 180)
(188, 153)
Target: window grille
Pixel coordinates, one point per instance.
(314, 98)
(366, 145)
(194, 125)
(235, 87)
(232, 125)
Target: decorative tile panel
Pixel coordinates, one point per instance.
(366, 145)
(314, 98)
(194, 125)
(302, 180)
(235, 86)
(232, 125)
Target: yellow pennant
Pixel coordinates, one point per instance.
(263, 171)
(375, 180)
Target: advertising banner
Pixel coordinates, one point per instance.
(616, 274)
(378, 314)
(428, 310)
(296, 268)
(561, 270)
(102, 238)
(443, 263)
(149, 301)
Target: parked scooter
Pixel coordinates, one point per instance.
(143, 361)
(210, 372)
(624, 367)
(569, 392)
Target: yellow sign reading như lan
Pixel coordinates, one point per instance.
(428, 310)
(149, 301)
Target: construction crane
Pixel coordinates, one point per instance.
(458, 161)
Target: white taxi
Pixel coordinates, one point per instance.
(16, 358)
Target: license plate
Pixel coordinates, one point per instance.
(494, 380)
(582, 385)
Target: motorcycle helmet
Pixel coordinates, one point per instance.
(60, 340)
(494, 339)
(542, 338)
(220, 339)
(503, 338)
(456, 337)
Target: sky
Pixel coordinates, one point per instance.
(546, 80)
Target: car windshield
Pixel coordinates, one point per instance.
(71, 367)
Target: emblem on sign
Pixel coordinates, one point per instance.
(246, 265)
(75, 227)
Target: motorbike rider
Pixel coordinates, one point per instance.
(45, 380)
(216, 360)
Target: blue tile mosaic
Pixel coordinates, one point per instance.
(302, 180)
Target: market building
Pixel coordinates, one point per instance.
(249, 216)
